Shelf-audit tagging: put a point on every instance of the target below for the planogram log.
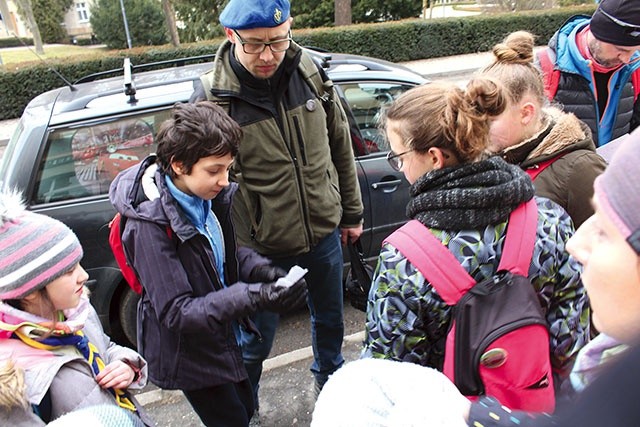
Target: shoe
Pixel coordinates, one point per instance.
(255, 419)
(317, 388)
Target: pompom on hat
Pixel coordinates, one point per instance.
(34, 249)
(617, 22)
(618, 192)
(247, 14)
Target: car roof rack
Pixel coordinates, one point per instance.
(179, 62)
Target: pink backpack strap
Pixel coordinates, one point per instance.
(443, 270)
(520, 239)
(429, 255)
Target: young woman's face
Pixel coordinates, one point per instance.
(66, 290)
(611, 275)
(506, 129)
(414, 165)
(208, 176)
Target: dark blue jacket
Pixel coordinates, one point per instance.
(576, 87)
(185, 317)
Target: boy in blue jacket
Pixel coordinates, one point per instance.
(196, 282)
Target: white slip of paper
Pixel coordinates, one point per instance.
(296, 273)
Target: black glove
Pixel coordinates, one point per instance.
(266, 273)
(268, 296)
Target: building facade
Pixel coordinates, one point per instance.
(76, 20)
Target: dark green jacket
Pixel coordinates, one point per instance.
(295, 168)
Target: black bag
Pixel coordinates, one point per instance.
(359, 277)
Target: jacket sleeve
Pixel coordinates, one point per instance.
(167, 285)
(567, 305)
(248, 259)
(406, 319)
(110, 351)
(343, 160)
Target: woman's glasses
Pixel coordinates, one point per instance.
(395, 160)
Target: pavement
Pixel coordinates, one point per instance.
(286, 393)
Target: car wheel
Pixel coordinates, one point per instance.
(128, 315)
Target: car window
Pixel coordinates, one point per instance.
(83, 160)
(365, 100)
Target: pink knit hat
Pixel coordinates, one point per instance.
(34, 249)
(618, 189)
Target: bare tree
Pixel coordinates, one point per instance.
(6, 17)
(170, 18)
(32, 25)
(342, 12)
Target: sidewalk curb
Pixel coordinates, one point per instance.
(149, 397)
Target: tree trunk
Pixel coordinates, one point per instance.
(170, 17)
(6, 18)
(32, 25)
(342, 12)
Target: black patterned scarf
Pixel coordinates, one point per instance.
(469, 196)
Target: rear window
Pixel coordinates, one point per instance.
(83, 160)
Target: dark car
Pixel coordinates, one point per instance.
(71, 142)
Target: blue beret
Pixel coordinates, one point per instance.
(247, 14)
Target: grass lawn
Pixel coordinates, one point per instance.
(14, 56)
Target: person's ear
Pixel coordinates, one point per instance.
(230, 34)
(177, 168)
(437, 157)
(528, 113)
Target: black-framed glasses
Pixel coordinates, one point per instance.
(631, 29)
(395, 160)
(255, 48)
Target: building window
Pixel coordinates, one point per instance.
(83, 12)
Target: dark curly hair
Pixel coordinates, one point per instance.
(195, 131)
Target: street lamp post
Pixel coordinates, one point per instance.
(126, 26)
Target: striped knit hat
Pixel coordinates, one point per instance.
(34, 249)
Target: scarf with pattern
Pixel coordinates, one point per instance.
(469, 196)
(64, 333)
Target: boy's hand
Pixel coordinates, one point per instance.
(279, 299)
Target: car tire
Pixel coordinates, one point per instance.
(128, 315)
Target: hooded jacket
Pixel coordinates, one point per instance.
(568, 181)
(295, 168)
(576, 88)
(186, 313)
(27, 374)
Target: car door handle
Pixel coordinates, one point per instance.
(386, 184)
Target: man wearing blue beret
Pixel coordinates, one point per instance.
(299, 198)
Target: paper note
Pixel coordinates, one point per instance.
(296, 273)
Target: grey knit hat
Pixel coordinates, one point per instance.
(34, 249)
(617, 22)
(618, 191)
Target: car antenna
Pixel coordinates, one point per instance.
(129, 85)
(51, 67)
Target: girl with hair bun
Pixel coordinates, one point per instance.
(438, 135)
(535, 136)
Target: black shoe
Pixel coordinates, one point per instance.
(255, 419)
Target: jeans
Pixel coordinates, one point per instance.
(324, 282)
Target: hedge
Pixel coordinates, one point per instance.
(394, 41)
